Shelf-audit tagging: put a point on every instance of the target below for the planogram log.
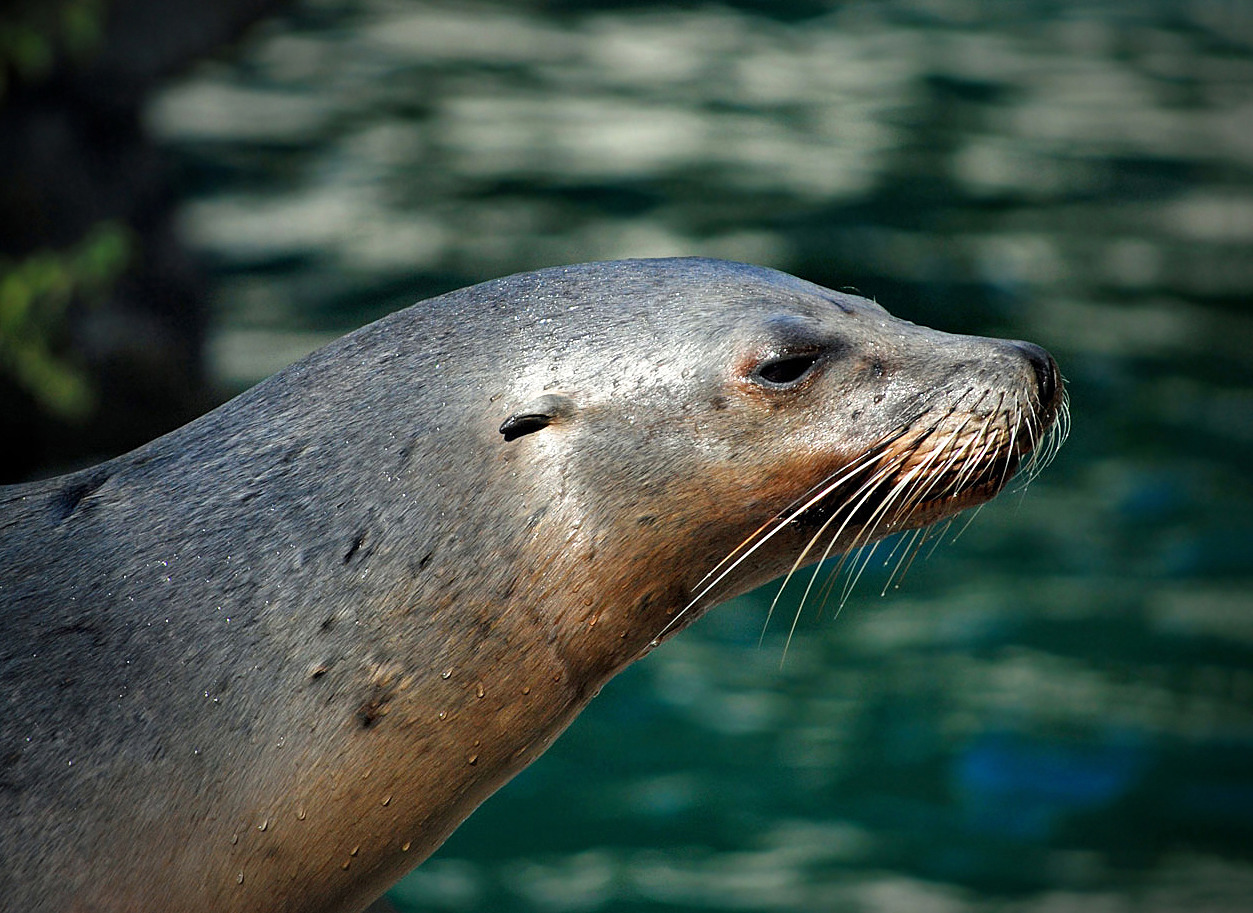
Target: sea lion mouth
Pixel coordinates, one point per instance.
(933, 467)
(936, 465)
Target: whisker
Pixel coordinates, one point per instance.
(898, 547)
(970, 519)
(903, 486)
(940, 537)
(1012, 448)
(816, 494)
(918, 538)
(859, 568)
(780, 522)
(770, 529)
(849, 509)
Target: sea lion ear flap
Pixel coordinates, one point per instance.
(539, 413)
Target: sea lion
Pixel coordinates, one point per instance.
(269, 661)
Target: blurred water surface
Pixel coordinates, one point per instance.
(1055, 711)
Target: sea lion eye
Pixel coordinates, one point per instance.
(785, 370)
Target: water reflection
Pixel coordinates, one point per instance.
(1056, 711)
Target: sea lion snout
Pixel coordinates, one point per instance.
(1048, 376)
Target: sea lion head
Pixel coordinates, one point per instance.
(710, 426)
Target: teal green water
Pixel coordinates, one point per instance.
(1053, 712)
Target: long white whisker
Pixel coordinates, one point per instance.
(940, 537)
(816, 494)
(779, 523)
(904, 485)
(917, 539)
(970, 519)
(849, 510)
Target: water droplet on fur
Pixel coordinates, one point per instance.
(387, 800)
(478, 689)
(473, 759)
(300, 814)
(356, 849)
(443, 714)
(263, 825)
(447, 673)
(404, 847)
(234, 839)
(239, 879)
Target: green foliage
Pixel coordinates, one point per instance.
(35, 294)
(35, 34)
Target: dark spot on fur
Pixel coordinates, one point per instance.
(840, 303)
(424, 561)
(533, 520)
(374, 706)
(328, 623)
(719, 402)
(355, 547)
(646, 520)
(88, 632)
(71, 496)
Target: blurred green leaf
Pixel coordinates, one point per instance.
(35, 295)
(34, 34)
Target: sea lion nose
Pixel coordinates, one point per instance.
(1048, 378)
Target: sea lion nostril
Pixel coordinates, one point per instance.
(1045, 368)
